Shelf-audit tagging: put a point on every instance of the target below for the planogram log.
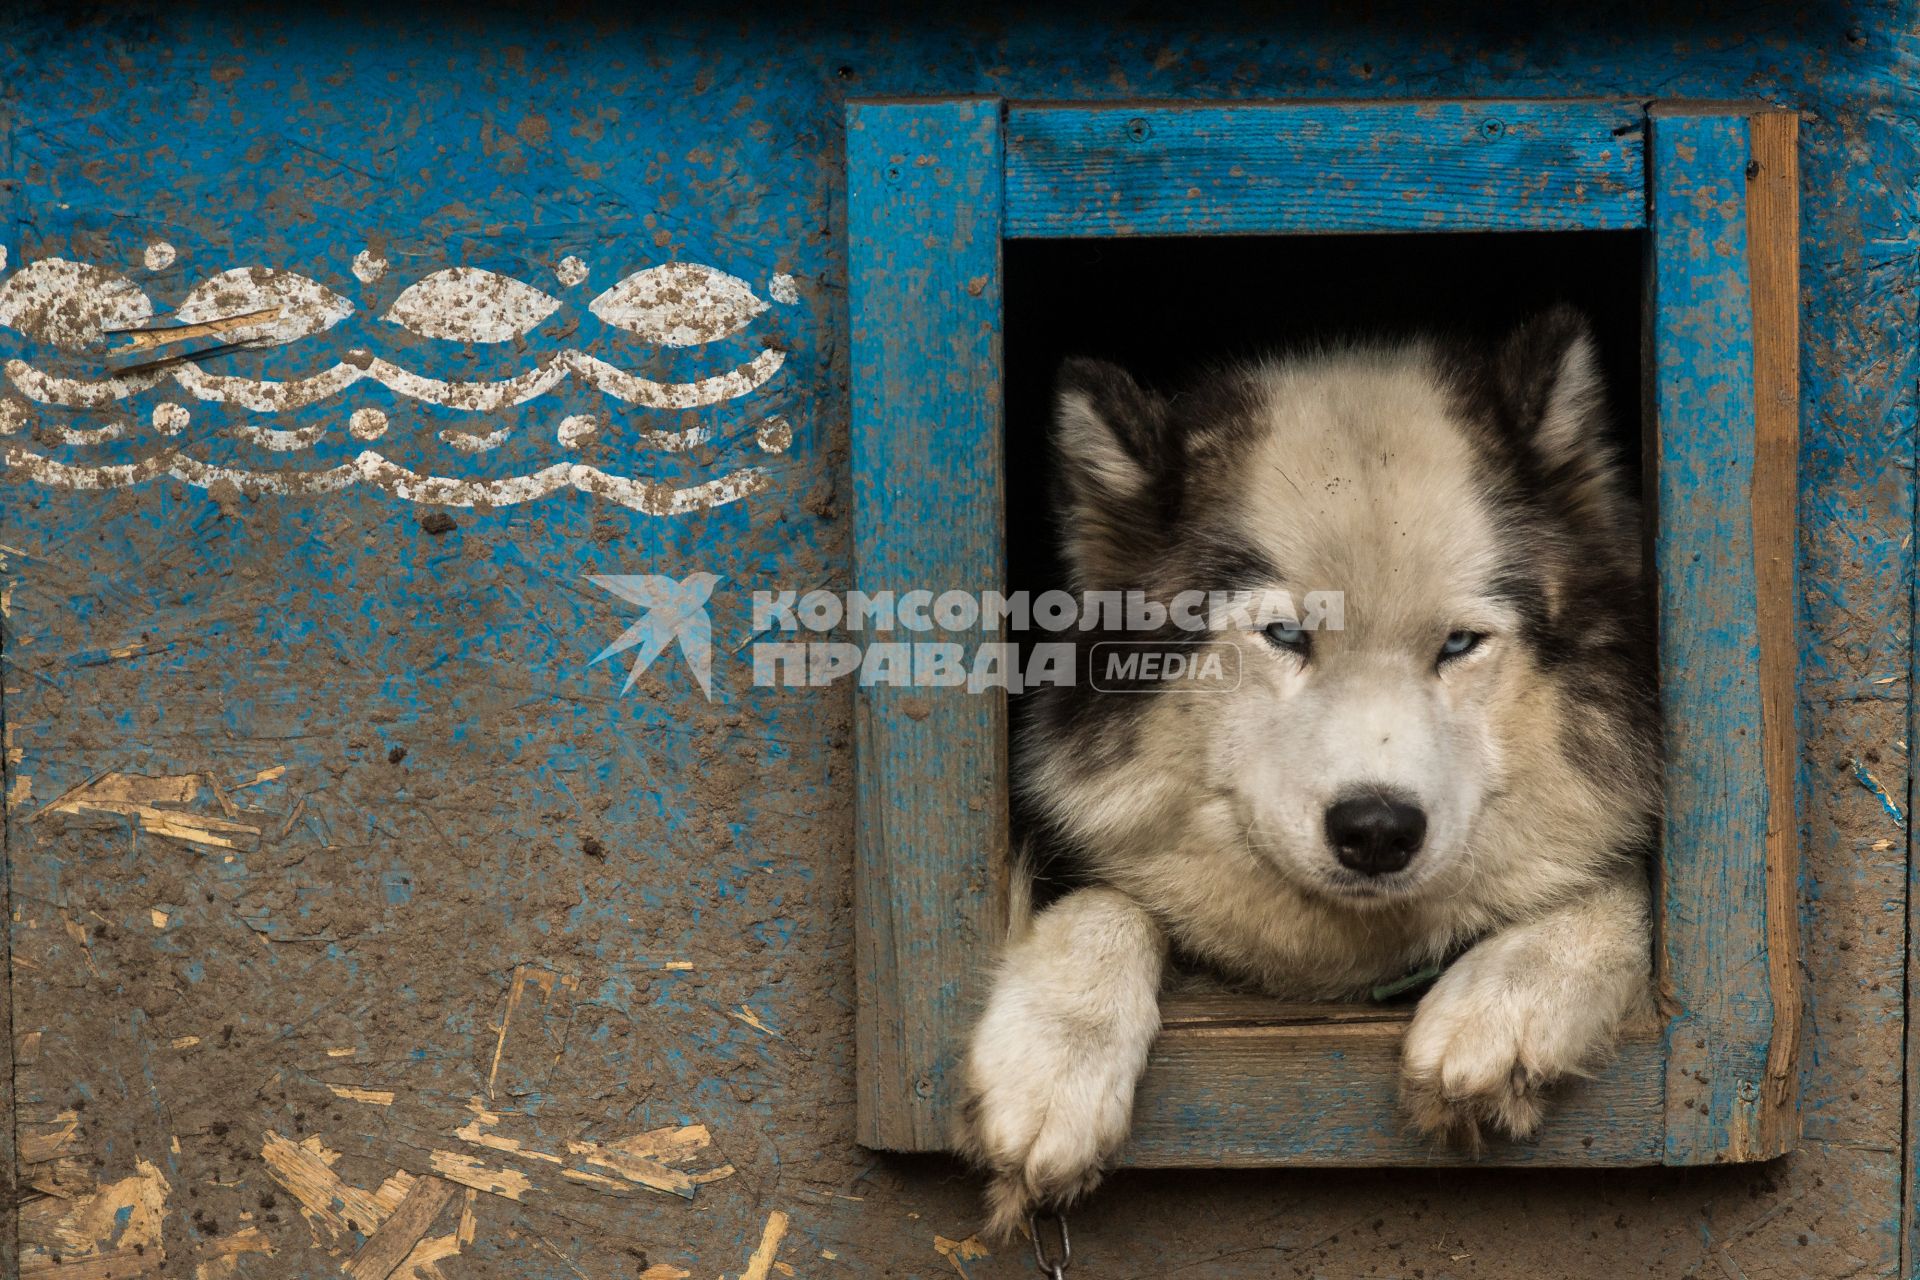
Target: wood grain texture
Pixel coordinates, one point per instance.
(10, 1162)
(1223, 1008)
(387, 1247)
(1320, 1088)
(1773, 261)
(305, 133)
(1716, 931)
(1326, 1094)
(924, 184)
(1136, 170)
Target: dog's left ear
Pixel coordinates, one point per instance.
(1548, 371)
(1110, 446)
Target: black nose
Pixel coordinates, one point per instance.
(1375, 835)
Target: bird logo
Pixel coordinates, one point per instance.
(676, 613)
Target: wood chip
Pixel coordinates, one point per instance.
(386, 1248)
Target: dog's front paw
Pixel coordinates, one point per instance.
(1058, 1050)
(1043, 1119)
(1492, 1036)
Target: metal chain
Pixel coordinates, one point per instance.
(1052, 1264)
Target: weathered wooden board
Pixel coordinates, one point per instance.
(931, 845)
(1724, 523)
(1717, 918)
(1773, 269)
(687, 862)
(1155, 169)
(1319, 1095)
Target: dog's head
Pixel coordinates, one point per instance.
(1461, 558)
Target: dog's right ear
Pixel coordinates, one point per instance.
(1110, 439)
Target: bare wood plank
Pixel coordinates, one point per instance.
(1716, 929)
(1328, 1096)
(1242, 1009)
(1773, 257)
(1267, 169)
(386, 1248)
(924, 185)
(12, 1186)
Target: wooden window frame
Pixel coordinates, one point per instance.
(934, 188)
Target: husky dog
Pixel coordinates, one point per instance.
(1467, 770)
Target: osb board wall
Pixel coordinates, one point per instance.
(358, 922)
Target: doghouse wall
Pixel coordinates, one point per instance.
(333, 862)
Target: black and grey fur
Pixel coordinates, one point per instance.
(1467, 768)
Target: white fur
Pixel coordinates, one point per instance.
(1060, 1048)
(1082, 433)
(1525, 1007)
(1355, 474)
(1572, 403)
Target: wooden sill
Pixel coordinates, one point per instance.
(1243, 1081)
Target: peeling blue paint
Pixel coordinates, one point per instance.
(316, 633)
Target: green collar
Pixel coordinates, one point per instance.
(1382, 992)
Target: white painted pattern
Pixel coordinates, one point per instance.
(71, 305)
(775, 435)
(472, 442)
(576, 427)
(115, 429)
(78, 306)
(471, 304)
(580, 426)
(281, 441)
(79, 393)
(375, 470)
(269, 396)
(291, 306)
(679, 304)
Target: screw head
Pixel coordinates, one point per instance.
(1139, 129)
(1491, 129)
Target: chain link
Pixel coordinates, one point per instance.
(1052, 1264)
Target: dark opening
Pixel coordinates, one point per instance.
(1167, 308)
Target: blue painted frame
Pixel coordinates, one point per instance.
(927, 511)
(1253, 1083)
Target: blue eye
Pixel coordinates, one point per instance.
(1290, 636)
(1459, 644)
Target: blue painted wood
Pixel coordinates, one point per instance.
(1138, 170)
(1718, 895)
(1322, 1090)
(1714, 899)
(924, 229)
(321, 632)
